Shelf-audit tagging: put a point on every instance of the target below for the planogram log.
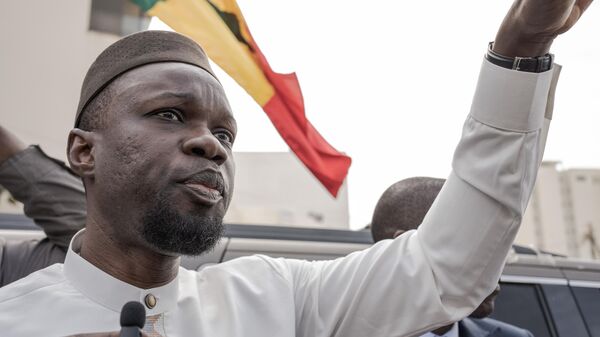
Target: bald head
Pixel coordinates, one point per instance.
(404, 205)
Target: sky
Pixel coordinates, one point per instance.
(390, 83)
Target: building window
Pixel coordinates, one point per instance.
(118, 17)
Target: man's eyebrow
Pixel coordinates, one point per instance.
(187, 96)
(233, 123)
(174, 97)
(230, 122)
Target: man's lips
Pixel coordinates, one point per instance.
(204, 190)
(206, 185)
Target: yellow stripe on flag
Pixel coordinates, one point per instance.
(200, 21)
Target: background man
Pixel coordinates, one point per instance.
(402, 208)
(52, 196)
(152, 143)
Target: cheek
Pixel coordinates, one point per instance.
(126, 163)
(129, 153)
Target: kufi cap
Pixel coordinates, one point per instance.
(135, 50)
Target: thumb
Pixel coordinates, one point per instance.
(578, 8)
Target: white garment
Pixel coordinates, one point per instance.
(453, 332)
(403, 287)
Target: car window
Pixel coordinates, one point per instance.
(522, 305)
(588, 300)
(563, 309)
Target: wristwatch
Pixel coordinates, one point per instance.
(537, 64)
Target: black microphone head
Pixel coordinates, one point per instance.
(133, 314)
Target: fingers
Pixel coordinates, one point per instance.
(578, 8)
(583, 4)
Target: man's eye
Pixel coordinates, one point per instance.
(170, 115)
(224, 136)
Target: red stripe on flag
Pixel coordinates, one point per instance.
(329, 166)
(286, 111)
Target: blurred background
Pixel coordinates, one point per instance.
(388, 83)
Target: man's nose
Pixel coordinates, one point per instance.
(206, 146)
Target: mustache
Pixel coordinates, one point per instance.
(209, 178)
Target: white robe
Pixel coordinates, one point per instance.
(403, 287)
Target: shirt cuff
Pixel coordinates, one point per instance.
(510, 99)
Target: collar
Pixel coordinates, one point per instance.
(110, 292)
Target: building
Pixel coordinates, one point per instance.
(274, 188)
(563, 215)
(47, 47)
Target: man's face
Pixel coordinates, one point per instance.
(486, 307)
(163, 165)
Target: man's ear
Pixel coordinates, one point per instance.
(398, 232)
(80, 152)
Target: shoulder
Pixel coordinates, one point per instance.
(254, 280)
(500, 328)
(42, 281)
(250, 264)
(256, 267)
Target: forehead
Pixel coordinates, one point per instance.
(170, 80)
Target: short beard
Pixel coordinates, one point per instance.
(184, 234)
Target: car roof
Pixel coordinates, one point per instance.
(523, 265)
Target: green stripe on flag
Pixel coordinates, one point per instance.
(145, 5)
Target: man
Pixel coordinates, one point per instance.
(402, 208)
(153, 142)
(52, 196)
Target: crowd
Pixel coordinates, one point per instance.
(150, 178)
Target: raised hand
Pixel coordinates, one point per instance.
(530, 26)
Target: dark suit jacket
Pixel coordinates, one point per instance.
(487, 327)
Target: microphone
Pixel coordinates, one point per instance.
(133, 318)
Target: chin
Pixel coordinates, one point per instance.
(175, 232)
(183, 238)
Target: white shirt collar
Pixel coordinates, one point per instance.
(453, 332)
(110, 292)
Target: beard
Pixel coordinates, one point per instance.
(186, 234)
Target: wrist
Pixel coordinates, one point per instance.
(521, 50)
(518, 45)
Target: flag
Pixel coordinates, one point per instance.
(219, 27)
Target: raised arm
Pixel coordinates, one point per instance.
(530, 27)
(11, 145)
(52, 196)
(438, 274)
